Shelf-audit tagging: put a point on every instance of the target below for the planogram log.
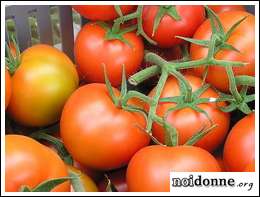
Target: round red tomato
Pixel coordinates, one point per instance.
(243, 39)
(187, 121)
(118, 179)
(239, 148)
(191, 17)
(223, 8)
(27, 162)
(97, 133)
(41, 85)
(102, 12)
(8, 88)
(92, 50)
(149, 169)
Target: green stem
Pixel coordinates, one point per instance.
(187, 89)
(135, 94)
(144, 75)
(155, 59)
(245, 80)
(156, 97)
(232, 84)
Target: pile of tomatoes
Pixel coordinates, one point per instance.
(106, 136)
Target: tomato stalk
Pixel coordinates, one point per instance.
(12, 60)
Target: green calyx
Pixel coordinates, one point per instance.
(46, 186)
(115, 33)
(12, 61)
(165, 10)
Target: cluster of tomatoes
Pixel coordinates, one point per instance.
(109, 144)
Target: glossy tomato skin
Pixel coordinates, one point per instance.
(102, 12)
(191, 17)
(149, 169)
(92, 51)
(27, 162)
(96, 133)
(41, 85)
(88, 184)
(223, 8)
(8, 88)
(243, 39)
(118, 179)
(187, 121)
(239, 148)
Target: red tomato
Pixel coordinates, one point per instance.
(239, 148)
(149, 169)
(97, 133)
(42, 83)
(92, 50)
(102, 12)
(118, 179)
(191, 17)
(8, 88)
(243, 39)
(250, 167)
(187, 121)
(27, 162)
(223, 8)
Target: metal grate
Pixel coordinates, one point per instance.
(19, 14)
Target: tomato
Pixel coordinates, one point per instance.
(88, 184)
(239, 148)
(243, 39)
(97, 133)
(40, 86)
(149, 169)
(92, 51)
(223, 8)
(187, 121)
(27, 162)
(191, 17)
(8, 88)
(102, 12)
(250, 167)
(118, 179)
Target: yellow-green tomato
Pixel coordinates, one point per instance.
(41, 85)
